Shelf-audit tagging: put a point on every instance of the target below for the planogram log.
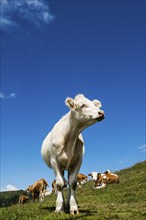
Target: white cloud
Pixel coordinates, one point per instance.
(9, 96)
(36, 12)
(10, 187)
(142, 148)
(2, 96)
(6, 22)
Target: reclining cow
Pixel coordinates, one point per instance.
(105, 179)
(102, 179)
(63, 148)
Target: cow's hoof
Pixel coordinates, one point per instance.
(74, 212)
(59, 211)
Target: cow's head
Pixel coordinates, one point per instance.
(94, 175)
(107, 171)
(29, 189)
(87, 112)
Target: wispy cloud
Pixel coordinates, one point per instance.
(12, 95)
(9, 187)
(123, 161)
(36, 12)
(9, 96)
(2, 96)
(142, 148)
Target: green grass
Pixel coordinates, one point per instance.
(124, 201)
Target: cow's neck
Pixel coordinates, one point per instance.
(72, 132)
(73, 128)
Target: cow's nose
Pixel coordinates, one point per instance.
(101, 112)
(101, 115)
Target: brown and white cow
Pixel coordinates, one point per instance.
(106, 178)
(37, 188)
(63, 147)
(80, 178)
(23, 199)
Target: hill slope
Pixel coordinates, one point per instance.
(124, 201)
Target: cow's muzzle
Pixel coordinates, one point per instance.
(101, 115)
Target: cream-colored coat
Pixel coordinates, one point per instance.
(63, 148)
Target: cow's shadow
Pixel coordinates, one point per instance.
(83, 212)
(50, 209)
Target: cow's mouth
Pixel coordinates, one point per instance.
(100, 118)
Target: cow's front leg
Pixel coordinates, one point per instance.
(60, 185)
(60, 199)
(59, 202)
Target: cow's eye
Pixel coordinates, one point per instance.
(83, 106)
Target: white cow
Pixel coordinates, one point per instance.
(63, 147)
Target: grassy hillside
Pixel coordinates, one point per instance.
(124, 201)
(10, 197)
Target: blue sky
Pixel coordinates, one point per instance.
(51, 50)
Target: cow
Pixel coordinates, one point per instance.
(80, 178)
(63, 147)
(23, 198)
(37, 188)
(106, 178)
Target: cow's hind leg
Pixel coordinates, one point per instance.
(72, 178)
(72, 193)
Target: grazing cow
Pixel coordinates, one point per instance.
(37, 188)
(106, 178)
(63, 147)
(44, 194)
(23, 198)
(80, 178)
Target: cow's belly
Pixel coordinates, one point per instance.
(63, 153)
(46, 152)
(63, 160)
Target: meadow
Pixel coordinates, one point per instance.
(123, 201)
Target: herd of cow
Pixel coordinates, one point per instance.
(38, 190)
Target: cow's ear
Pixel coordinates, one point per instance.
(97, 103)
(69, 102)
